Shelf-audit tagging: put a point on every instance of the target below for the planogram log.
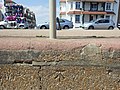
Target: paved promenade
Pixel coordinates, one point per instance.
(63, 33)
(67, 39)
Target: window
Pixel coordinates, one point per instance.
(91, 17)
(71, 17)
(94, 7)
(102, 16)
(107, 17)
(61, 21)
(108, 6)
(103, 21)
(78, 5)
(100, 21)
(77, 18)
(60, 8)
(71, 5)
(102, 7)
(106, 21)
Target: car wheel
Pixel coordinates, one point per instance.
(66, 27)
(21, 27)
(26, 28)
(111, 28)
(2, 27)
(43, 27)
(91, 27)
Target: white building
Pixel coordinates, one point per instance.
(119, 13)
(2, 9)
(81, 11)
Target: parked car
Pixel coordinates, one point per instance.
(8, 24)
(99, 24)
(64, 24)
(22, 23)
(118, 25)
(18, 23)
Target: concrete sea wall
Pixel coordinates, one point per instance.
(87, 67)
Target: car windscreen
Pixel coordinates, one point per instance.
(61, 21)
(92, 21)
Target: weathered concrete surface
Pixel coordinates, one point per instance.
(14, 77)
(80, 78)
(63, 64)
(39, 49)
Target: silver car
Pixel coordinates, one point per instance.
(64, 24)
(99, 24)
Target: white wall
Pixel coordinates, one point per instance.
(64, 16)
(2, 6)
(63, 7)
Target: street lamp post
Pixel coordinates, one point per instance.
(52, 18)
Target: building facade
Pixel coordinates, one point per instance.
(11, 11)
(82, 11)
(1, 10)
(119, 14)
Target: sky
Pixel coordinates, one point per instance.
(40, 8)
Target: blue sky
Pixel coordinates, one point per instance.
(39, 7)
